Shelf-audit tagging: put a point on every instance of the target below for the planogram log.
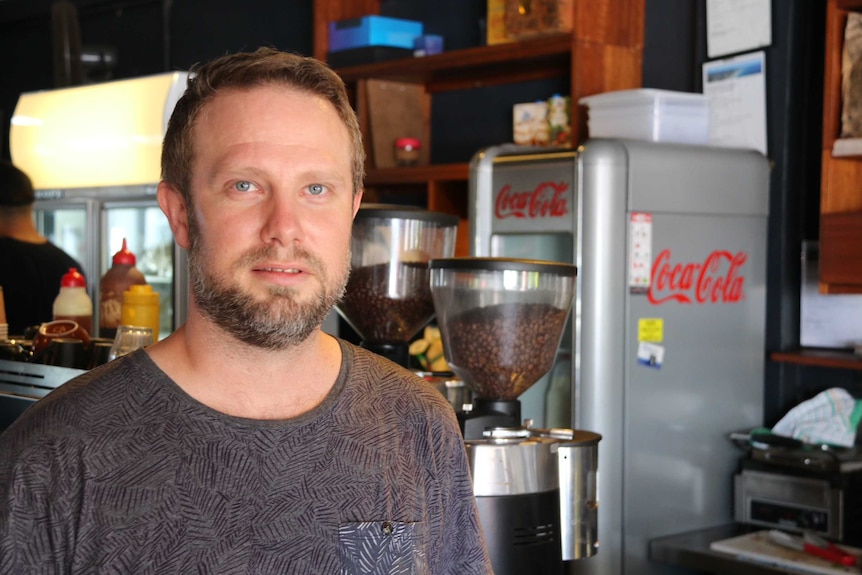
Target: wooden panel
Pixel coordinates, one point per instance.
(836, 20)
(611, 22)
(841, 250)
(601, 68)
(841, 178)
(395, 110)
(451, 198)
(841, 184)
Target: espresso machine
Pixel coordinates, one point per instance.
(388, 297)
(501, 321)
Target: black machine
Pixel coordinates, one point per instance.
(22, 384)
(787, 484)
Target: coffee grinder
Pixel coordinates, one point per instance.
(388, 297)
(501, 321)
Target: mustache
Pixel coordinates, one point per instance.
(269, 253)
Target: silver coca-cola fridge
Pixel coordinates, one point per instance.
(664, 351)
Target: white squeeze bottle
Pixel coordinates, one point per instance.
(73, 302)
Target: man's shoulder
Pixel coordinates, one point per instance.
(47, 253)
(382, 376)
(79, 406)
(387, 390)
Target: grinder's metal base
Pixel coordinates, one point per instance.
(523, 533)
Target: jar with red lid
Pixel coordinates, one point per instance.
(407, 151)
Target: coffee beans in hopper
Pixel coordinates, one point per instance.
(388, 302)
(504, 348)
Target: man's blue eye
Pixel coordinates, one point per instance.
(316, 189)
(243, 186)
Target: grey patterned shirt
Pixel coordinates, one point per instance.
(119, 471)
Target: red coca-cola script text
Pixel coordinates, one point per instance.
(548, 200)
(717, 279)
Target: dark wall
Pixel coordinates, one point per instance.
(146, 36)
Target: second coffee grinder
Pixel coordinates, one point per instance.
(501, 322)
(388, 296)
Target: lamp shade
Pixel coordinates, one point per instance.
(106, 134)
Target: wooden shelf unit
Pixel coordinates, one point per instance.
(603, 52)
(841, 177)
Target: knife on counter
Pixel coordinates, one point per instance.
(813, 545)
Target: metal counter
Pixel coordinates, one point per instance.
(691, 550)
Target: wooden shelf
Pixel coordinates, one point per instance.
(418, 174)
(820, 358)
(850, 5)
(509, 63)
(840, 194)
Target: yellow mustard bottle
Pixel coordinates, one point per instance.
(141, 308)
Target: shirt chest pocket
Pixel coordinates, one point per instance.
(383, 548)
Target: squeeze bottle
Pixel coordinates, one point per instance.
(141, 308)
(73, 302)
(116, 280)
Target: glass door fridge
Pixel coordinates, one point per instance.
(91, 223)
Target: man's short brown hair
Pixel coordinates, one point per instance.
(246, 70)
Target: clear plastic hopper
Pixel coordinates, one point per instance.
(388, 297)
(501, 321)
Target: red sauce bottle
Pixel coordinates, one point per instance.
(116, 280)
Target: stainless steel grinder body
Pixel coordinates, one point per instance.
(535, 491)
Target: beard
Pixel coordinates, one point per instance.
(277, 322)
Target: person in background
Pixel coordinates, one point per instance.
(249, 440)
(31, 267)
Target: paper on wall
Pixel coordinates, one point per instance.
(734, 26)
(736, 88)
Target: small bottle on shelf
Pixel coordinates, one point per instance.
(117, 280)
(141, 308)
(73, 302)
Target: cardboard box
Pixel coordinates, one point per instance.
(373, 31)
(531, 126)
(495, 32)
(530, 18)
(428, 45)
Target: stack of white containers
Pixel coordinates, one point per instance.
(649, 114)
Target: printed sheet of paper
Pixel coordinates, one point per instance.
(736, 88)
(734, 26)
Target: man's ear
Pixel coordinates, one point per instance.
(173, 205)
(357, 199)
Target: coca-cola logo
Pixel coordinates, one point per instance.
(715, 280)
(548, 200)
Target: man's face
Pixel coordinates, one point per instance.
(273, 204)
